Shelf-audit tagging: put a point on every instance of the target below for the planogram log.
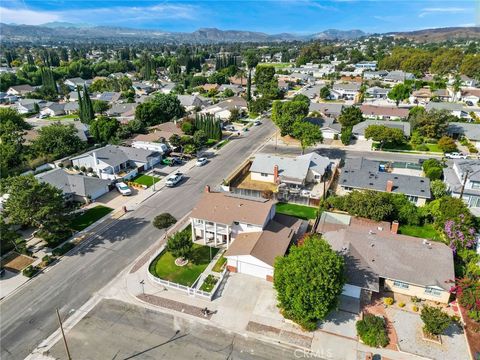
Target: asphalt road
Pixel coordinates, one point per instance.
(28, 316)
(117, 330)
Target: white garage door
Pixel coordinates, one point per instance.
(254, 270)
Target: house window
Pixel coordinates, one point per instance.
(317, 177)
(400, 284)
(475, 184)
(412, 198)
(264, 174)
(432, 291)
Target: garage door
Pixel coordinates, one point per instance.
(254, 270)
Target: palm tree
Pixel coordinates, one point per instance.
(241, 73)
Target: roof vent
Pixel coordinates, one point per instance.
(372, 245)
(422, 181)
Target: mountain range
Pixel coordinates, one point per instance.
(67, 32)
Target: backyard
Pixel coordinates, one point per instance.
(89, 217)
(299, 211)
(146, 180)
(164, 266)
(426, 231)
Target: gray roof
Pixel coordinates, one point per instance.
(351, 86)
(333, 109)
(73, 184)
(359, 129)
(375, 90)
(469, 130)
(290, 169)
(122, 109)
(324, 122)
(371, 254)
(444, 106)
(363, 174)
(398, 75)
(379, 73)
(115, 155)
(71, 106)
(109, 96)
(190, 100)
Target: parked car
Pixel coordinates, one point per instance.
(230, 128)
(455, 155)
(257, 123)
(469, 103)
(201, 161)
(174, 179)
(172, 161)
(123, 188)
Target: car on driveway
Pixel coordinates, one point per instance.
(123, 188)
(201, 161)
(455, 155)
(230, 128)
(257, 123)
(174, 179)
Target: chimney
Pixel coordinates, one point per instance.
(389, 186)
(207, 188)
(394, 228)
(275, 173)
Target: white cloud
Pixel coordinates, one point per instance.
(27, 17)
(443, 10)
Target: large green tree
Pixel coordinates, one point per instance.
(399, 93)
(384, 134)
(309, 281)
(267, 83)
(430, 124)
(161, 108)
(57, 140)
(286, 113)
(308, 134)
(12, 130)
(350, 116)
(104, 129)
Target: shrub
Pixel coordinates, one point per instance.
(164, 221)
(76, 167)
(435, 320)
(47, 259)
(447, 144)
(83, 169)
(180, 244)
(415, 299)
(415, 308)
(422, 147)
(346, 136)
(60, 165)
(434, 173)
(63, 249)
(30, 271)
(401, 304)
(373, 331)
(89, 169)
(335, 136)
(388, 301)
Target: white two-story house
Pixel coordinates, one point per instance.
(463, 181)
(117, 162)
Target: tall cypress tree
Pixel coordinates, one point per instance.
(89, 114)
(81, 111)
(249, 86)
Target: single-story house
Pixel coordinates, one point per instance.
(71, 107)
(378, 259)
(53, 109)
(421, 96)
(142, 88)
(470, 131)
(383, 112)
(443, 94)
(327, 109)
(328, 125)
(25, 106)
(253, 234)
(117, 162)
(222, 110)
(364, 174)
(237, 89)
(377, 92)
(366, 65)
(108, 96)
(463, 179)
(292, 171)
(345, 90)
(191, 102)
(75, 187)
(358, 130)
(398, 76)
(208, 87)
(472, 95)
(20, 90)
(73, 83)
(374, 75)
(159, 132)
(456, 109)
(123, 112)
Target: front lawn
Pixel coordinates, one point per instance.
(408, 147)
(299, 211)
(426, 231)
(89, 217)
(146, 180)
(164, 266)
(63, 117)
(218, 267)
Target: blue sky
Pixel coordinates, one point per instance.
(270, 16)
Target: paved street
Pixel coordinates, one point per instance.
(117, 330)
(28, 316)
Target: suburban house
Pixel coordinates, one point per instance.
(364, 174)
(73, 83)
(123, 112)
(463, 180)
(472, 95)
(160, 132)
(358, 130)
(159, 147)
(142, 88)
(398, 76)
(470, 131)
(20, 90)
(366, 65)
(25, 106)
(378, 259)
(253, 234)
(383, 112)
(108, 96)
(453, 108)
(421, 96)
(223, 109)
(71, 107)
(75, 187)
(329, 126)
(117, 162)
(377, 92)
(346, 91)
(293, 171)
(191, 102)
(327, 109)
(374, 75)
(237, 89)
(53, 109)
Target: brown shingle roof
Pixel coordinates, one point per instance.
(165, 130)
(268, 244)
(383, 111)
(225, 209)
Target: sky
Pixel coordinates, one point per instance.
(269, 16)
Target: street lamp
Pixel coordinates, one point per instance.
(143, 286)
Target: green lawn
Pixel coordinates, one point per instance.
(219, 264)
(209, 283)
(164, 266)
(146, 180)
(89, 217)
(433, 148)
(300, 211)
(407, 147)
(426, 231)
(64, 117)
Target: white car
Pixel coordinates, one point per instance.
(230, 128)
(257, 123)
(201, 161)
(455, 155)
(123, 189)
(174, 179)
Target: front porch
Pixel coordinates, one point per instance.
(210, 233)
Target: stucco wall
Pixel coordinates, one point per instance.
(258, 177)
(418, 291)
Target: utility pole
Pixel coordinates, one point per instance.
(463, 184)
(63, 336)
